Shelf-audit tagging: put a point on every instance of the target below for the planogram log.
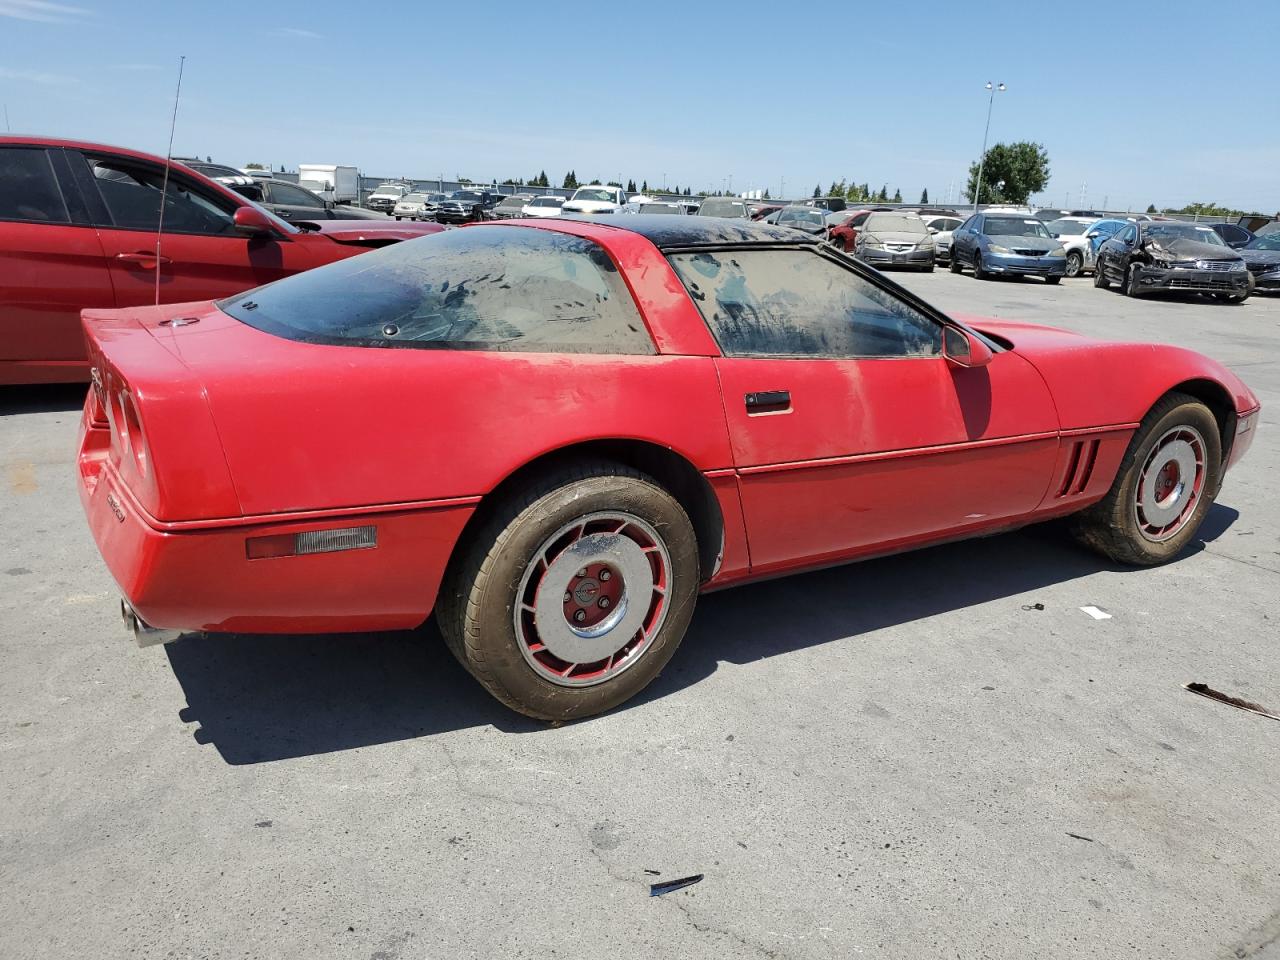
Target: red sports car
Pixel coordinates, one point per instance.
(78, 226)
(556, 433)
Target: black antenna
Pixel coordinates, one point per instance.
(168, 161)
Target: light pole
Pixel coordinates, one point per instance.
(977, 190)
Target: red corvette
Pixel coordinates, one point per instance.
(555, 433)
(78, 228)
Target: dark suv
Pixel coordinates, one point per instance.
(464, 206)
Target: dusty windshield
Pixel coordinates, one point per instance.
(1015, 227)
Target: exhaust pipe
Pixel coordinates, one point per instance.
(144, 634)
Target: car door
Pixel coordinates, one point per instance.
(851, 433)
(51, 266)
(293, 202)
(203, 256)
(1119, 251)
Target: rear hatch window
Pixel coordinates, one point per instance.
(482, 288)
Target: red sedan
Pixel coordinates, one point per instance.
(844, 235)
(78, 225)
(556, 433)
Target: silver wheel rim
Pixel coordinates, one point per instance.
(1074, 264)
(1171, 484)
(592, 599)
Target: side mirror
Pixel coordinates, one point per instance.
(252, 222)
(933, 230)
(1093, 235)
(963, 349)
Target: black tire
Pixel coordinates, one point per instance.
(928, 269)
(954, 264)
(1100, 276)
(978, 272)
(1053, 281)
(1075, 263)
(1112, 527)
(477, 603)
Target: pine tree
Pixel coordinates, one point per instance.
(631, 186)
(1151, 208)
(570, 181)
(644, 187)
(766, 194)
(817, 191)
(835, 190)
(897, 195)
(924, 196)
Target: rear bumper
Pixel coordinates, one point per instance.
(1152, 280)
(196, 576)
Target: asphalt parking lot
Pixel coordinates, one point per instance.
(900, 758)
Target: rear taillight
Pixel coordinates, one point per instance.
(311, 541)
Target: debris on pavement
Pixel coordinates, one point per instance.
(1076, 836)
(1096, 612)
(654, 873)
(669, 886)
(1204, 690)
(1033, 606)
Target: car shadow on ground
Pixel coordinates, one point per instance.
(42, 398)
(263, 698)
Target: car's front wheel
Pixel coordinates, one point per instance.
(574, 595)
(1163, 489)
(1100, 275)
(978, 272)
(1129, 284)
(1075, 263)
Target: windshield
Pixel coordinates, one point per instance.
(464, 195)
(661, 208)
(1166, 232)
(1269, 241)
(513, 203)
(606, 195)
(498, 289)
(389, 188)
(1067, 228)
(547, 202)
(723, 208)
(1014, 227)
(413, 198)
(803, 215)
(895, 223)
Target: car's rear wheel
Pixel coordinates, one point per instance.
(1100, 275)
(574, 595)
(1075, 263)
(1164, 487)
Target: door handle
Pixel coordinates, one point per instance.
(768, 401)
(147, 259)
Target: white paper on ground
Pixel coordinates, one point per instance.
(1096, 613)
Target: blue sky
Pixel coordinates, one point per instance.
(810, 92)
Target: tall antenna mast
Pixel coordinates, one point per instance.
(168, 162)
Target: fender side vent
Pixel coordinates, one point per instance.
(1086, 471)
(1073, 464)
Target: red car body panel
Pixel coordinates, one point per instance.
(49, 272)
(845, 235)
(871, 455)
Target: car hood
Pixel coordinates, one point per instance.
(894, 236)
(590, 206)
(371, 232)
(1191, 250)
(343, 212)
(1023, 243)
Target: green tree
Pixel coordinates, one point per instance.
(631, 186)
(1151, 208)
(883, 195)
(834, 190)
(594, 183)
(897, 195)
(570, 181)
(865, 192)
(766, 194)
(817, 191)
(924, 196)
(254, 166)
(1206, 210)
(1011, 172)
(644, 187)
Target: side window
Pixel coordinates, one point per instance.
(796, 303)
(28, 188)
(296, 196)
(132, 192)
(1129, 234)
(858, 219)
(497, 289)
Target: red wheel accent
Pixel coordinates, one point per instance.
(1171, 483)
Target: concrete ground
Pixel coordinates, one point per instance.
(892, 759)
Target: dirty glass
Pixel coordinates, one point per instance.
(1182, 231)
(895, 223)
(495, 288)
(1014, 227)
(795, 303)
(132, 195)
(713, 207)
